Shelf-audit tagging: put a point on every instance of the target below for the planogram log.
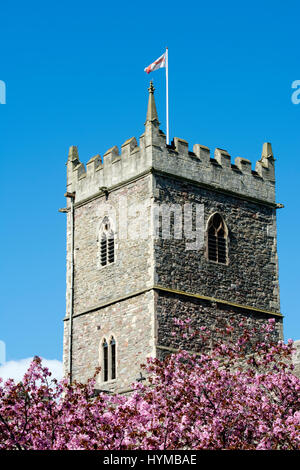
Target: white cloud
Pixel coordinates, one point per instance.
(16, 369)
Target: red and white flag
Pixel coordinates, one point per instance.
(163, 61)
(158, 64)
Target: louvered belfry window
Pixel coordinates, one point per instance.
(217, 239)
(108, 361)
(103, 249)
(111, 248)
(107, 244)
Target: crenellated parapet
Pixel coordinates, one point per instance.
(112, 169)
(152, 153)
(219, 171)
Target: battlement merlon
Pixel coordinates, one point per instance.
(153, 153)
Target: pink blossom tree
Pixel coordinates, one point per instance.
(233, 394)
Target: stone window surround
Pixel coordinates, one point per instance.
(226, 240)
(110, 336)
(103, 230)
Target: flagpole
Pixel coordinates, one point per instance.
(167, 94)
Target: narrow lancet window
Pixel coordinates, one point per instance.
(108, 359)
(105, 360)
(113, 357)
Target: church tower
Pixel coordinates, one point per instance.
(158, 232)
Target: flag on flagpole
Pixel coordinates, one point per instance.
(162, 61)
(158, 64)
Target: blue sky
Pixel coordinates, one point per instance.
(74, 76)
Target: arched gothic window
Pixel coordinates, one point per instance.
(108, 359)
(217, 238)
(107, 243)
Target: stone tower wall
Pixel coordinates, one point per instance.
(132, 269)
(251, 276)
(202, 313)
(132, 323)
(250, 279)
(115, 299)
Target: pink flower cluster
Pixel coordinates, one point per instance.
(225, 398)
